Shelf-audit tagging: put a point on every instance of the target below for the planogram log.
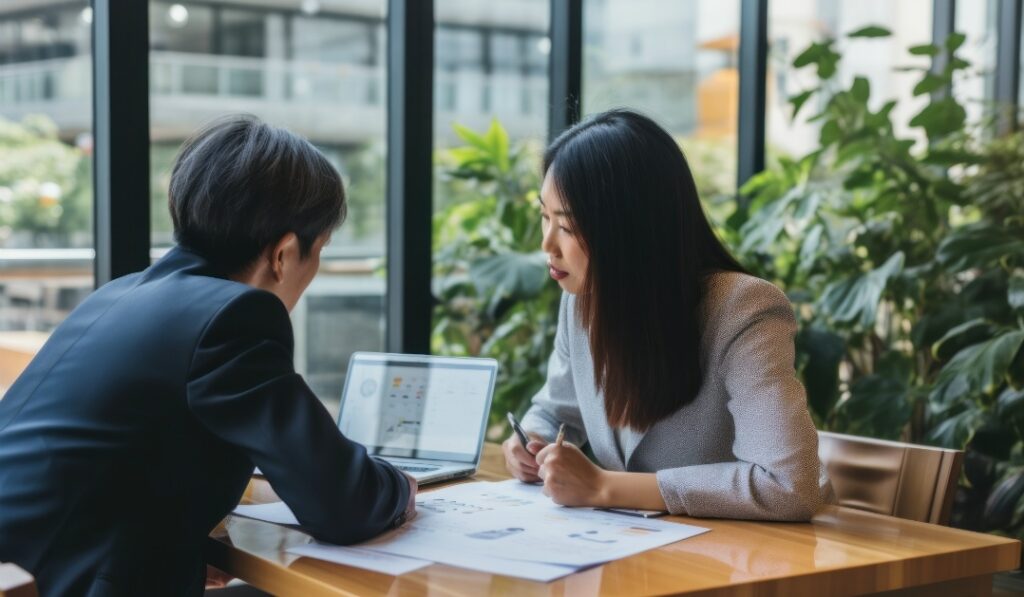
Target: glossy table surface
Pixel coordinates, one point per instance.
(840, 552)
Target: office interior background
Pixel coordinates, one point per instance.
(861, 154)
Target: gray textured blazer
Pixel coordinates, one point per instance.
(745, 447)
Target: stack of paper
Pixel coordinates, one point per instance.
(505, 528)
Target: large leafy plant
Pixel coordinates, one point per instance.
(490, 278)
(905, 258)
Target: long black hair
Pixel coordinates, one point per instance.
(633, 205)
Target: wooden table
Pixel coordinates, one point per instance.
(840, 552)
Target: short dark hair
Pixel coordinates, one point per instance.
(633, 204)
(239, 185)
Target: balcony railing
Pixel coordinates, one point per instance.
(187, 88)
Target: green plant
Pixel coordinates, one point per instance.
(906, 262)
(490, 277)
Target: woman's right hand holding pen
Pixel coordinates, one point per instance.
(521, 462)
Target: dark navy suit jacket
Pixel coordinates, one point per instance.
(135, 430)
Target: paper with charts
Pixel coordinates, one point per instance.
(514, 521)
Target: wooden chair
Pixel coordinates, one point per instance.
(15, 582)
(893, 478)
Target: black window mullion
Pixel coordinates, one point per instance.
(566, 65)
(409, 174)
(943, 24)
(753, 61)
(1007, 65)
(121, 137)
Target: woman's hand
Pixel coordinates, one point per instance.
(570, 478)
(519, 462)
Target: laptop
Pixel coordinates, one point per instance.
(426, 415)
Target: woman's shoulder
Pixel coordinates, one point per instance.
(733, 301)
(739, 291)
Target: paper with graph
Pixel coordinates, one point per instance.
(514, 521)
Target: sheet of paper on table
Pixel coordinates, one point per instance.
(275, 512)
(514, 521)
(507, 528)
(360, 558)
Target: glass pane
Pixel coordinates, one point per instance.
(319, 72)
(46, 246)
(676, 62)
(793, 26)
(975, 88)
(491, 79)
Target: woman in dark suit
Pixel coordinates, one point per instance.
(670, 360)
(135, 429)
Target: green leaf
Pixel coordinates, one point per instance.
(1010, 401)
(823, 351)
(809, 56)
(925, 50)
(954, 41)
(471, 137)
(961, 336)
(871, 31)
(497, 138)
(1015, 296)
(511, 274)
(855, 300)
(860, 90)
(930, 83)
(979, 245)
(981, 368)
(877, 406)
(940, 118)
(861, 177)
(830, 133)
(956, 431)
(1004, 501)
(958, 64)
(799, 100)
(809, 247)
(951, 157)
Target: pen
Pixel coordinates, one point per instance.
(561, 435)
(519, 431)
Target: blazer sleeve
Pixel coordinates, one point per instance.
(556, 403)
(776, 474)
(243, 388)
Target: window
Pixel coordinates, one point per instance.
(46, 241)
(490, 125)
(677, 63)
(318, 72)
(793, 26)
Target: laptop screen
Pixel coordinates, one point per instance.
(417, 406)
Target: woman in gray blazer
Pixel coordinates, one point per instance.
(670, 360)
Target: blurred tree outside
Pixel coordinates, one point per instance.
(45, 187)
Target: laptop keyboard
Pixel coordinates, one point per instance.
(415, 469)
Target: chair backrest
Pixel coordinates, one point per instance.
(15, 582)
(893, 478)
